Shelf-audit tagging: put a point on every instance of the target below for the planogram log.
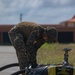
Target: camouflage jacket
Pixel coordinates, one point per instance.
(32, 32)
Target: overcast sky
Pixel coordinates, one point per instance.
(39, 11)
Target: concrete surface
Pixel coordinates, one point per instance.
(8, 56)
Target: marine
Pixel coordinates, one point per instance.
(27, 38)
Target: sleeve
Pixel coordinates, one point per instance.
(19, 42)
(32, 38)
(38, 44)
(17, 38)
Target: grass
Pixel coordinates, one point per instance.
(53, 54)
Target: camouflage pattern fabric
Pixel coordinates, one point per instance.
(26, 37)
(26, 50)
(16, 39)
(52, 34)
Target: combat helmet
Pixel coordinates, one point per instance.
(51, 33)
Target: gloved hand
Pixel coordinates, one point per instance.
(33, 49)
(34, 65)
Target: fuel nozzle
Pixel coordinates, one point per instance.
(65, 61)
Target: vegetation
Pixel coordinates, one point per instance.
(53, 54)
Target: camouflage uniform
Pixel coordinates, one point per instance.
(26, 39)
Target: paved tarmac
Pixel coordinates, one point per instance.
(8, 56)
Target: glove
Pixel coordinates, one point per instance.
(32, 49)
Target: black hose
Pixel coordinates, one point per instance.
(8, 66)
(19, 72)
